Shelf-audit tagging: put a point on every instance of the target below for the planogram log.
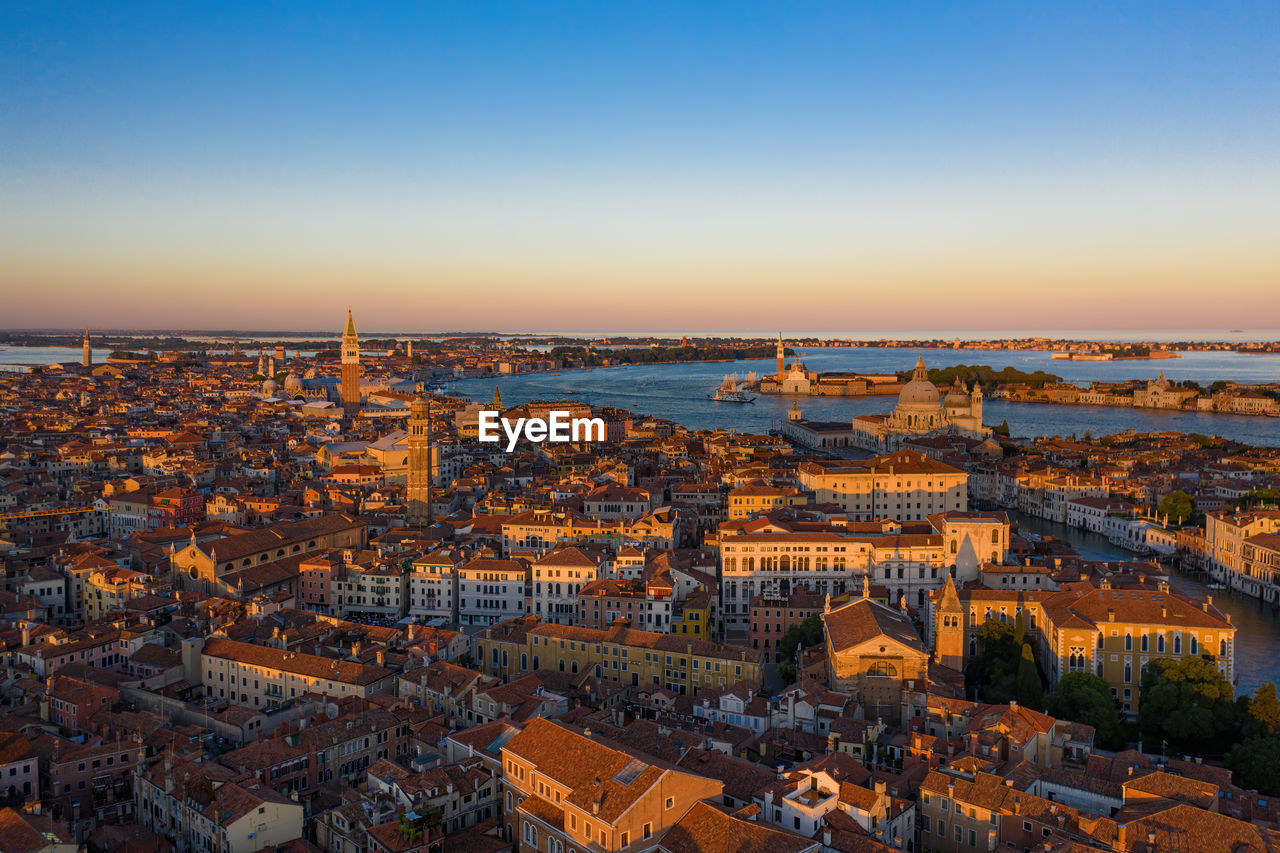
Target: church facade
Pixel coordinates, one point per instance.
(922, 410)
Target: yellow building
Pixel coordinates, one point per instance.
(263, 677)
(620, 653)
(109, 589)
(1112, 632)
(692, 617)
(755, 498)
(564, 791)
(905, 485)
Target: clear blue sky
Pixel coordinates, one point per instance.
(472, 165)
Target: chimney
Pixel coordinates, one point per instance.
(1111, 614)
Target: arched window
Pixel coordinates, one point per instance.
(955, 546)
(995, 537)
(1177, 644)
(883, 669)
(1160, 643)
(524, 661)
(1193, 644)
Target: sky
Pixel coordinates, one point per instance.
(597, 165)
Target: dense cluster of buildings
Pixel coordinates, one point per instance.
(314, 613)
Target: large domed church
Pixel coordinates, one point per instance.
(922, 410)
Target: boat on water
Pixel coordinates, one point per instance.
(731, 391)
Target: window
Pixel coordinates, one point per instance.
(973, 838)
(671, 802)
(530, 834)
(648, 831)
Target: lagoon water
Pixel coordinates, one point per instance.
(681, 392)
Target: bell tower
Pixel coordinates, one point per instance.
(781, 356)
(87, 356)
(948, 627)
(421, 465)
(350, 368)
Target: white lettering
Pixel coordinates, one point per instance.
(559, 428)
(513, 435)
(488, 425)
(587, 425)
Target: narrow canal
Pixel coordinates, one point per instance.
(1257, 625)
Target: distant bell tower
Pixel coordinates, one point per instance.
(350, 368)
(782, 355)
(87, 356)
(497, 399)
(421, 465)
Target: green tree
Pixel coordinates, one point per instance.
(1262, 713)
(1176, 506)
(1085, 698)
(807, 633)
(1187, 703)
(1030, 687)
(1259, 497)
(1003, 429)
(993, 671)
(1255, 764)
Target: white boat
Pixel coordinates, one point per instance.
(731, 391)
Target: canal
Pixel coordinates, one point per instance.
(1257, 625)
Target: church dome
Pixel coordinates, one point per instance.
(919, 392)
(957, 397)
(269, 388)
(292, 383)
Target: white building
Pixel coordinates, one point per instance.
(491, 590)
(558, 578)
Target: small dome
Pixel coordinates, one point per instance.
(292, 383)
(957, 397)
(269, 388)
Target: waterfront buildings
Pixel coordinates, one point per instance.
(1111, 631)
(922, 411)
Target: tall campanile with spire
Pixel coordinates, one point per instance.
(350, 368)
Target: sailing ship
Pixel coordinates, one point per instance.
(731, 391)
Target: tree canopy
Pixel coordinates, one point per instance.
(1177, 506)
(1186, 703)
(1086, 698)
(1005, 667)
(807, 633)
